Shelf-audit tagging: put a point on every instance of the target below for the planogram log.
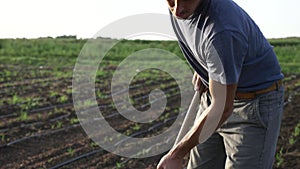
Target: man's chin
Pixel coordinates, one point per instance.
(184, 18)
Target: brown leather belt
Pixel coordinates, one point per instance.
(252, 95)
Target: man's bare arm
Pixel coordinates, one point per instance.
(216, 114)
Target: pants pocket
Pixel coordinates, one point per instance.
(246, 112)
(262, 120)
(269, 107)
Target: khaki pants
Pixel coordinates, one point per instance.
(247, 140)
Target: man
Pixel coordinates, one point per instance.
(239, 116)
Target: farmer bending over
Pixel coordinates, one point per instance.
(239, 117)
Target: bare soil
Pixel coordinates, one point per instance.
(50, 137)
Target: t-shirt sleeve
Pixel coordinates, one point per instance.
(224, 55)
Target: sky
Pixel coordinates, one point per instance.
(84, 18)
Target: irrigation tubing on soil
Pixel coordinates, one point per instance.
(39, 109)
(134, 135)
(62, 116)
(27, 82)
(100, 150)
(39, 135)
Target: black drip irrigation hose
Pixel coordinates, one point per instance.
(8, 115)
(170, 90)
(75, 125)
(76, 158)
(155, 145)
(39, 135)
(28, 82)
(35, 78)
(133, 135)
(39, 109)
(99, 150)
(67, 104)
(60, 117)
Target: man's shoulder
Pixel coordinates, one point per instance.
(227, 15)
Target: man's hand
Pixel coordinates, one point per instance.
(170, 162)
(198, 85)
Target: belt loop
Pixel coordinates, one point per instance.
(277, 85)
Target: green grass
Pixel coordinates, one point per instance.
(290, 41)
(63, 51)
(288, 53)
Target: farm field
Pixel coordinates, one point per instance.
(39, 127)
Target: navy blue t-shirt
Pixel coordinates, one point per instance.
(220, 41)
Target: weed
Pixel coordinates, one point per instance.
(69, 91)
(30, 102)
(50, 160)
(23, 116)
(131, 101)
(63, 99)
(128, 132)
(39, 116)
(33, 102)
(279, 158)
(119, 165)
(295, 134)
(136, 127)
(15, 99)
(2, 137)
(292, 141)
(74, 121)
(100, 95)
(58, 124)
(71, 151)
(93, 144)
(88, 103)
(53, 94)
(297, 130)
(297, 84)
(57, 110)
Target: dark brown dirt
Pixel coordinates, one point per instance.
(50, 137)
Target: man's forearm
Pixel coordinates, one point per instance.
(211, 119)
(190, 140)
